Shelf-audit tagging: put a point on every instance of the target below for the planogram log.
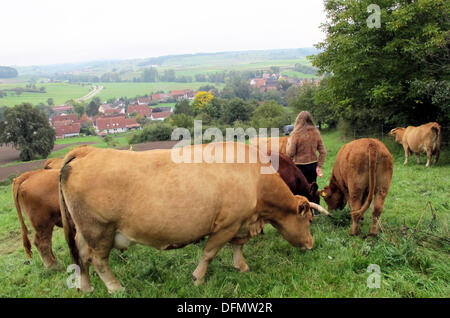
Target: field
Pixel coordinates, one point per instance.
(60, 92)
(412, 265)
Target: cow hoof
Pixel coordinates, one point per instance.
(55, 266)
(354, 233)
(198, 281)
(242, 269)
(113, 290)
(88, 289)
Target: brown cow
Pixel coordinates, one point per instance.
(423, 139)
(153, 200)
(36, 194)
(363, 168)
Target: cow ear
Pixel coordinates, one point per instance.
(302, 208)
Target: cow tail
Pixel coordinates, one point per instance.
(68, 225)
(372, 177)
(26, 242)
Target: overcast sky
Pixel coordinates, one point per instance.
(55, 31)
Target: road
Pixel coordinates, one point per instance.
(95, 91)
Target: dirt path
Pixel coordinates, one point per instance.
(9, 154)
(95, 91)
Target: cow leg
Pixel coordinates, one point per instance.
(378, 205)
(355, 202)
(100, 260)
(406, 154)
(43, 243)
(418, 158)
(436, 156)
(238, 258)
(84, 254)
(429, 152)
(215, 242)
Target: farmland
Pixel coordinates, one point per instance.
(412, 265)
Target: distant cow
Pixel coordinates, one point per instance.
(422, 139)
(363, 169)
(155, 201)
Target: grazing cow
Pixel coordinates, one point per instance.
(153, 200)
(363, 168)
(267, 142)
(295, 179)
(36, 194)
(422, 139)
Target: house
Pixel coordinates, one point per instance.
(144, 100)
(70, 117)
(142, 110)
(160, 115)
(160, 98)
(115, 124)
(258, 82)
(63, 109)
(182, 94)
(162, 109)
(68, 129)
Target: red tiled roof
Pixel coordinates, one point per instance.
(140, 109)
(60, 123)
(62, 108)
(131, 123)
(68, 129)
(110, 111)
(181, 92)
(72, 117)
(104, 123)
(161, 114)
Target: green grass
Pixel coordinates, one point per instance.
(336, 267)
(60, 92)
(131, 90)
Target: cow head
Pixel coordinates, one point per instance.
(334, 198)
(295, 227)
(397, 133)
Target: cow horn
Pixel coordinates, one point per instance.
(319, 208)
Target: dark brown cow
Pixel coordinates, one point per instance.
(295, 179)
(363, 168)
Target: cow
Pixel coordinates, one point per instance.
(295, 179)
(261, 143)
(53, 163)
(36, 194)
(363, 169)
(423, 139)
(156, 201)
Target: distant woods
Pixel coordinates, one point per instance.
(8, 72)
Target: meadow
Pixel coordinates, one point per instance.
(60, 92)
(412, 264)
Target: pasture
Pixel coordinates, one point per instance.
(60, 92)
(411, 264)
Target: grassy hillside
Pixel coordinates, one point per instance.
(411, 265)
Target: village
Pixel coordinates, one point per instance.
(117, 117)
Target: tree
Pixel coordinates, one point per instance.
(236, 109)
(28, 130)
(50, 102)
(270, 115)
(8, 72)
(201, 100)
(149, 75)
(183, 107)
(92, 108)
(275, 69)
(397, 74)
(182, 120)
(79, 108)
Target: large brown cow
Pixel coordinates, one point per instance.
(36, 194)
(423, 139)
(153, 200)
(363, 169)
